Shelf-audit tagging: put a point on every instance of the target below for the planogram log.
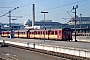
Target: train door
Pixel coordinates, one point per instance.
(28, 34)
(2, 34)
(18, 34)
(55, 34)
(59, 34)
(8, 34)
(35, 34)
(40, 34)
(49, 33)
(46, 35)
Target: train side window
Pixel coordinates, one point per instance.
(29, 32)
(59, 32)
(64, 32)
(32, 32)
(52, 32)
(23, 32)
(55, 32)
(38, 32)
(16, 33)
(68, 32)
(41, 32)
(46, 33)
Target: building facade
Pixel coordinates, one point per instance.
(5, 26)
(82, 25)
(47, 23)
(81, 22)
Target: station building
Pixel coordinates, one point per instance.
(47, 24)
(81, 22)
(82, 25)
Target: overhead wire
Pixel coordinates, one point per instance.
(22, 6)
(66, 5)
(60, 6)
(50, 8)
(31, 3)
(7, 7)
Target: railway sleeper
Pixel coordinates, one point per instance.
(2, 59)
(22, 47)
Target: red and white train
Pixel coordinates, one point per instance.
(50, 34)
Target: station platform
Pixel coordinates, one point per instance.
(74, 48)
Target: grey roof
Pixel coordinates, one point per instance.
(82, 18)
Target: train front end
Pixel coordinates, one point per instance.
(67, 34)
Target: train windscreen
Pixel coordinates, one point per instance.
(66, 32)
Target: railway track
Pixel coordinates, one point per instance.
(62, 55)
(6, 57)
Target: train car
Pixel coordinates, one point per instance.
(38, 34)
(16, 33)
(50, 34)
(21, 33)
(5, 33)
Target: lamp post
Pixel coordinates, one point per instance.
(10, 16)
(74, 8)
(80, 22)
(44, 23)
(10, 20)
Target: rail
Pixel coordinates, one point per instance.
(53, 50)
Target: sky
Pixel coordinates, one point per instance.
(57, 9)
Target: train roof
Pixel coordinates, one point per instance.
(21, 30)
(6, 31)
(51, 29)
(25, 30)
